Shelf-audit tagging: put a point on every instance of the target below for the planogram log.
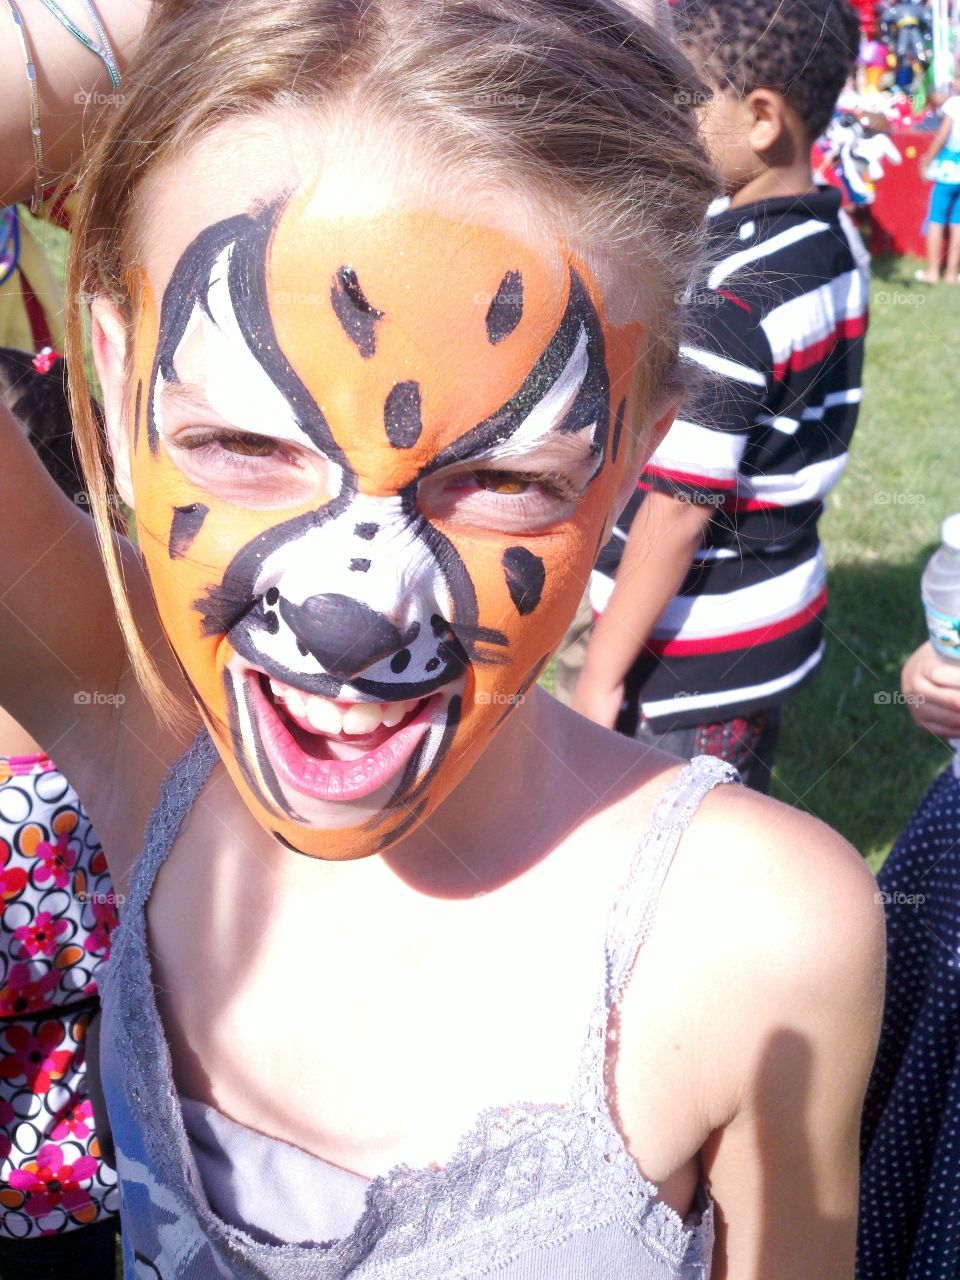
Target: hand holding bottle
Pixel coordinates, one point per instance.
(931, 685)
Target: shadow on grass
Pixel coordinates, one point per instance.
(850, 752)
(891, 268)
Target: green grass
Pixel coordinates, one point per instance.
(853, 759)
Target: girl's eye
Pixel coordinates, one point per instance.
(498, 500)
(247, 446)
(248, 469)
(238, 443)
(503, 482)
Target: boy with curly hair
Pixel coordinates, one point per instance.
(711, 593)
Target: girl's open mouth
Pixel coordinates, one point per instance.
(334, 750)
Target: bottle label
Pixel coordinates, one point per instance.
(944, 629)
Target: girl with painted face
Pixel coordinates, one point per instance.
(384, 310)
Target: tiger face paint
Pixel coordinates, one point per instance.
(371, 460)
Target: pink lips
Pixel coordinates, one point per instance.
(326, 779)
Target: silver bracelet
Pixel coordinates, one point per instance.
(103, 50)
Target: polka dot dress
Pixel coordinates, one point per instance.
(910, 1187)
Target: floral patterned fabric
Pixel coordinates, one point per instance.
(57, 908)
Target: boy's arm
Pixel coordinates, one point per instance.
(688, 479)
(663, 540)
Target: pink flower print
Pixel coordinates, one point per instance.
(48, 1183)
(104, 922)
(24, 994)
(105, 919)
(39, 938)
(55, 861)
(77, 1123)
(35, 1058)
(12, 882)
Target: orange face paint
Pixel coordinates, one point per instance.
(372, 462)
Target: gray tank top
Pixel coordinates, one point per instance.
(534, 1191)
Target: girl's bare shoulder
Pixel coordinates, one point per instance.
(775, 920)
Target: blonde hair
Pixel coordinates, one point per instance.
(576, 102)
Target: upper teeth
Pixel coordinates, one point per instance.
(328, 717)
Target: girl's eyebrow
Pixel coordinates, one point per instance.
(186, 395)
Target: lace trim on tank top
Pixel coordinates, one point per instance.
(524, 1176)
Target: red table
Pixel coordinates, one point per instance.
(900, 209)
(894, 222)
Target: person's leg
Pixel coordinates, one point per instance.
(89, 1253)
(749, 743)
(678, 742)
(953, 244)
(934, 252)
(936, 220)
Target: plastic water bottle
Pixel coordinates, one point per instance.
(940, 591)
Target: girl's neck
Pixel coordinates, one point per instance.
(497, 821)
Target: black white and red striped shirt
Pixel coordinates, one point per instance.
(777, 334)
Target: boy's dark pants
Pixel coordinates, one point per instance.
(748, 742)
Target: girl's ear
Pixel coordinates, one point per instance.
(109, 341)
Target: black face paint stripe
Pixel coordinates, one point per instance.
(402, 827)
(184, 527)
(249, 294)
(187, 286)
(360, 565)
(269, 778)
(250, 237)
(357, 317)
(137, 406)
(601, 540)
(617, 429)
(402, 419)
(409, 778)
(287, 845)
(532, 676)
(506, 308)
(592, 403)
(221, 609)
(366, 530)
(525, 576)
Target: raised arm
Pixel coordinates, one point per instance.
(62, 654)
(73, 84)
(61, 649)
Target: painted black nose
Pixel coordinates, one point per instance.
(343, 634)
